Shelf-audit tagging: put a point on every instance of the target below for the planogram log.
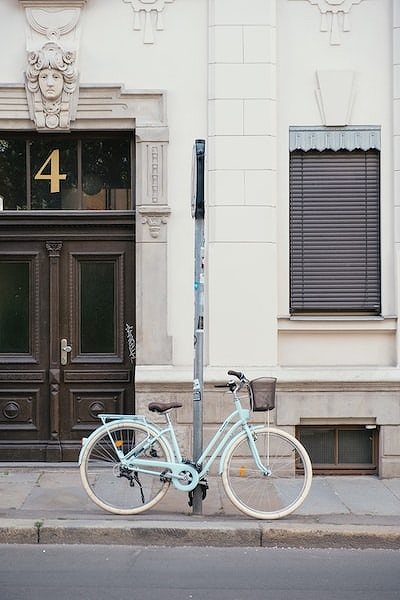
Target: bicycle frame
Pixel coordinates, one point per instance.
(184, 474)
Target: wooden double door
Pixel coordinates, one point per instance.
(67, 304)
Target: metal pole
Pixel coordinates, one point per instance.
(198, 381)
(198, 365)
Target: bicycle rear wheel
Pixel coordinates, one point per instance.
(115, 488)
(277, 490)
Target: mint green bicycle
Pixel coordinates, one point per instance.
(128, 463)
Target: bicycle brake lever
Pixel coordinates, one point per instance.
(231, 384)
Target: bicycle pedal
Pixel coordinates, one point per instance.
(165, 476)
(203, 484)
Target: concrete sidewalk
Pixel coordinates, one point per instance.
(45, 503)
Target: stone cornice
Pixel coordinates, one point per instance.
(99, 107)
(48, 4)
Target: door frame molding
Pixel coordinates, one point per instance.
(111, 107)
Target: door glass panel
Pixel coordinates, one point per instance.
(106, 174)
(66, 172)
(14, 307)
(97, 301)
(12, 175)
(54, 174)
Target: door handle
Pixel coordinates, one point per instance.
(65, 349)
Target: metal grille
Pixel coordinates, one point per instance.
(341, 449)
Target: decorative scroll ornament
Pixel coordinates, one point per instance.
(52, 82)
(337, 12)
(54, 248)
(155, 223)
(151, 12)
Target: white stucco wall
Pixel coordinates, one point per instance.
(303, 50)
(175, 62)
(242, 280)
(239, 74)
(309, 50)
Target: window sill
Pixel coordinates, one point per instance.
(337, 323)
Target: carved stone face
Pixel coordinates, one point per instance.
(51, 84)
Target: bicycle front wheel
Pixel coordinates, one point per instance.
(115, 488)
(280, 486)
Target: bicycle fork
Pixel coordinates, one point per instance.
(251, 438)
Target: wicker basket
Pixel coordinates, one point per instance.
(262, 394)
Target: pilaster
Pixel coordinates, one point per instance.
(153, 342)
(242, 178)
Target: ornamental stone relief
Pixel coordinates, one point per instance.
(155, 218)
(52, 74)
(334, 17)
(51, 86)
(148, 15)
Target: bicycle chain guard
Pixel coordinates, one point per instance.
(183, 475)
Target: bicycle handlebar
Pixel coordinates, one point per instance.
(234, 385)
(237, 374)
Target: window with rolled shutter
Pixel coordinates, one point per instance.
(335, 231)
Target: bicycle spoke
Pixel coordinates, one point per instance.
(279, 487)
(114, 486)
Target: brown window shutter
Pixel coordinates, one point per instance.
(335, 231)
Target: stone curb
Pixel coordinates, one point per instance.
(217, 534)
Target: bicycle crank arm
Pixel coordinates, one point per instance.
(183, 476)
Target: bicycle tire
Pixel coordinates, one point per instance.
(273, 495)
(113, 488)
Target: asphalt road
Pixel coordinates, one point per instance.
(69, 572)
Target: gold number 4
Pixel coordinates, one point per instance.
(54, 176)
